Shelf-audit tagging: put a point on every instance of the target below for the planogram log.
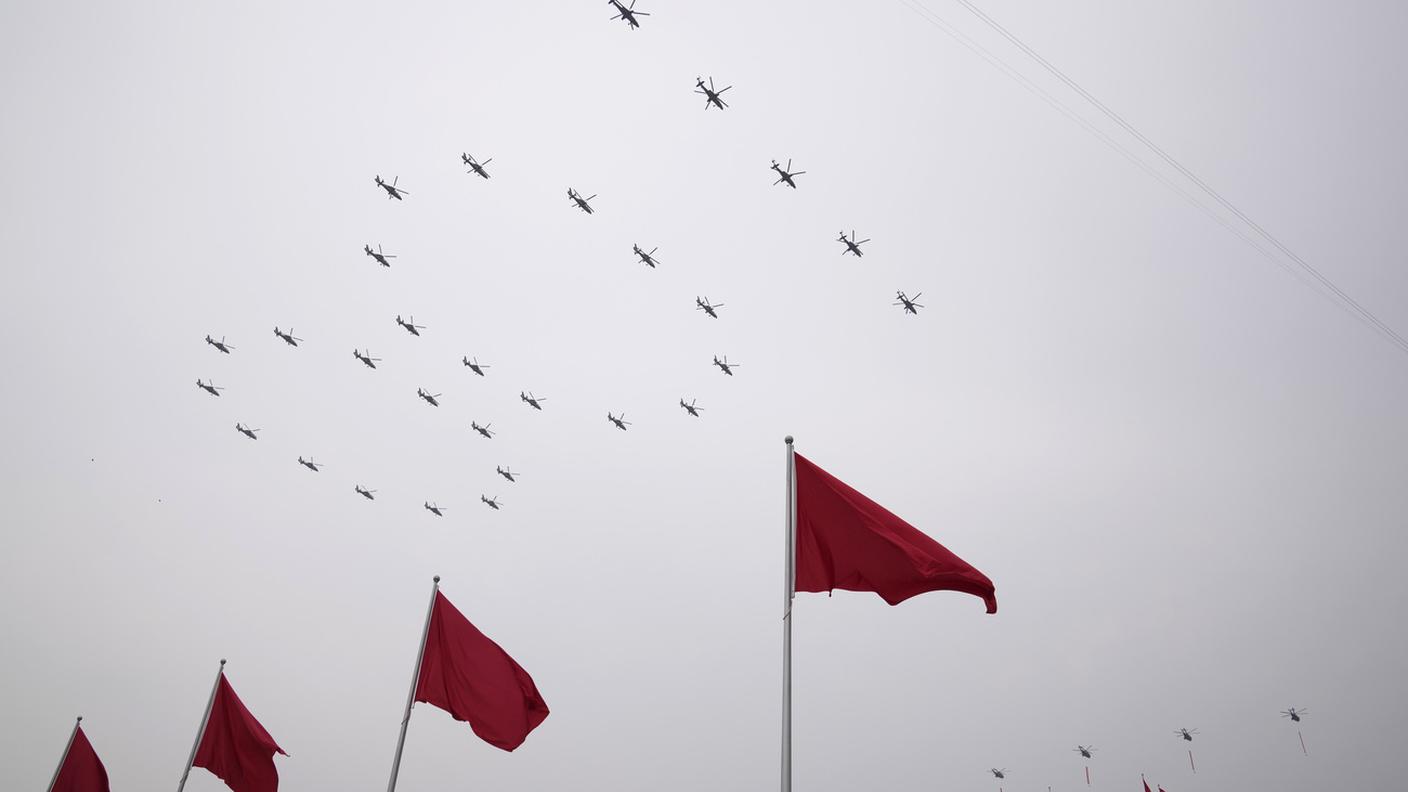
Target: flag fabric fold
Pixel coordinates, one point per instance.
(469, 676)
(235, 747)
(81, 769)
(847, 541)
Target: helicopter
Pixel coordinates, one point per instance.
(289, 338)
(1294, 714)
(476, 366)
(246, 431)
(852, 246)
(381, 258)
(476, 168)
(392, 191)
(411, 326)
(690, 408)
(785, 175)
(998, 773)
(627, 13)
(433, 509)
(724, 366)
(365, 493)
(484, 430)
(703, 305)
(366, 358)
(209, 387)
(1085, 750)
(621, 423)
(531, 400)
(581, 202)
(911, 304)
(711, 96)
(220, 345)
(310, 464)
(507, 473)
(1186, 734)
(429, 397)
(493, 502)
(648, 259)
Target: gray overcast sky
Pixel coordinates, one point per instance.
(1182, 467)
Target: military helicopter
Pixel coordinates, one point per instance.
(366, 358)
(392, 191)
(433, 509)
(1085, 750)
(581, 202)
(998, 773)
(627, 13)
(911, 304)
(411, 326)
(365, 493)
(648, 259)
(621, 423)
(429, 397)
(381, 258)
(703, 305)
(246, 431)
(476, 366)
(507, 473)
(493, 502)
(852, 246)
(310, 464)
(724, 366)
(1294, 714)
(1186, 734)
(484, 430)
(289, 338)
(711, 96)
(476, 168)
(786, 174)
(531, 400)
(209, 387)
(220, 345)
(690, 408)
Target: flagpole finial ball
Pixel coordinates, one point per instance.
(788, 439)
(437, 578)
(222, 662)
(80, 718)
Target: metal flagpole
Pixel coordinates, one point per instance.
(415, 680)
(789, 583)
(64, 756)
(205, 719)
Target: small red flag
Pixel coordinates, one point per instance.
(81, 769)
(473, 679)
(1146, 786)
(847, 541)
(235, 747)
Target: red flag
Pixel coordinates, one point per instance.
(1146, 785)
(81, 769)
(847, 541)
(470, 677)
(235, 747)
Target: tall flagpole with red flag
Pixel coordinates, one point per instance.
(415, 683)
(204, 720)
(63, 757)
(788, 593)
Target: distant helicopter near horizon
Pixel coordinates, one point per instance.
(492, 502)
(507, 473)
(392, 191)
(288, 338)
(691, 408)
(1085, 750)
(475, 365)
(367, 358)
(209, 387)
(785, 175)
(411, 326)
(245, 430)
(627, 13)
(1294, 714)
(483, 430)
(1186, 734)
(911, 304)
(220, 345)
(429, 397)
(364, 492)
(310, 464)
(703, 305)
(711, 96)
(648, 259)
(384, 259)
(725, 366)
(477, 168)
(621, 422)
(580, 201)
(852, 246)
(531, 400)
(998, 773)
(434, 509)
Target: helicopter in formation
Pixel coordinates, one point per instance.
(384, 259)
(366, 358)
(621, 422)
(627, 13)
(1294, 714)
(690, 408)
(852, 246)
(475, 365)
(477, 168)
(411, 326)
(364, 492)
(392, 191)
(786, 174)
(310, 464)
(1085, 750)
(429, 397)
(492, 502)
(998, 773)
(483, 430)
(507, 473)
(433, 509)
(724, 366)
(209, 387)
(703, 305)
(220, 345)
(531, 400)
(581, 202)
(289, 338)
(711, 96)
(1186, 734)
(911, 304)
(648, 259)
(246, 431)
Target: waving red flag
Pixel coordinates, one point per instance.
(235, 747)
(470, 677)
(81, 770)
(847, 541)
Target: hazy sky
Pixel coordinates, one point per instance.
(1182, 467)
